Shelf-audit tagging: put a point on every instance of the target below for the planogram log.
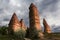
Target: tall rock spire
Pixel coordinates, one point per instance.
(34, 17)
(14, 24)
(46, 27)
(23, 26)
(34, 21)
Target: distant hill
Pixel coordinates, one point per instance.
(55, 29)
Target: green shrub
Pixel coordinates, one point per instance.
(33, 33)
(20, 34)
(3, 30)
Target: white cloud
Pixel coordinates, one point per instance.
(15, 3)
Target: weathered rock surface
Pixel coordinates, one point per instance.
(34, 17)
(23, 26)
(14, 24)
(34, 20)
(46, 27)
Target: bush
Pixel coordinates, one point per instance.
(33, 33)
(4, 30)
(20, 34)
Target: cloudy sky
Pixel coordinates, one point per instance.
(48, 9)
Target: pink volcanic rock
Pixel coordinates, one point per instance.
(46, 27)
(23, 26)
(34, 20)
(34, 17)
(14, 24)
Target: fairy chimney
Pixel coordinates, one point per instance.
(34, 20)
(34, 17)
(23, 26)
(14, 24)
(46, 27)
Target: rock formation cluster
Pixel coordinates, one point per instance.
(15, 25)
(34, 22)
